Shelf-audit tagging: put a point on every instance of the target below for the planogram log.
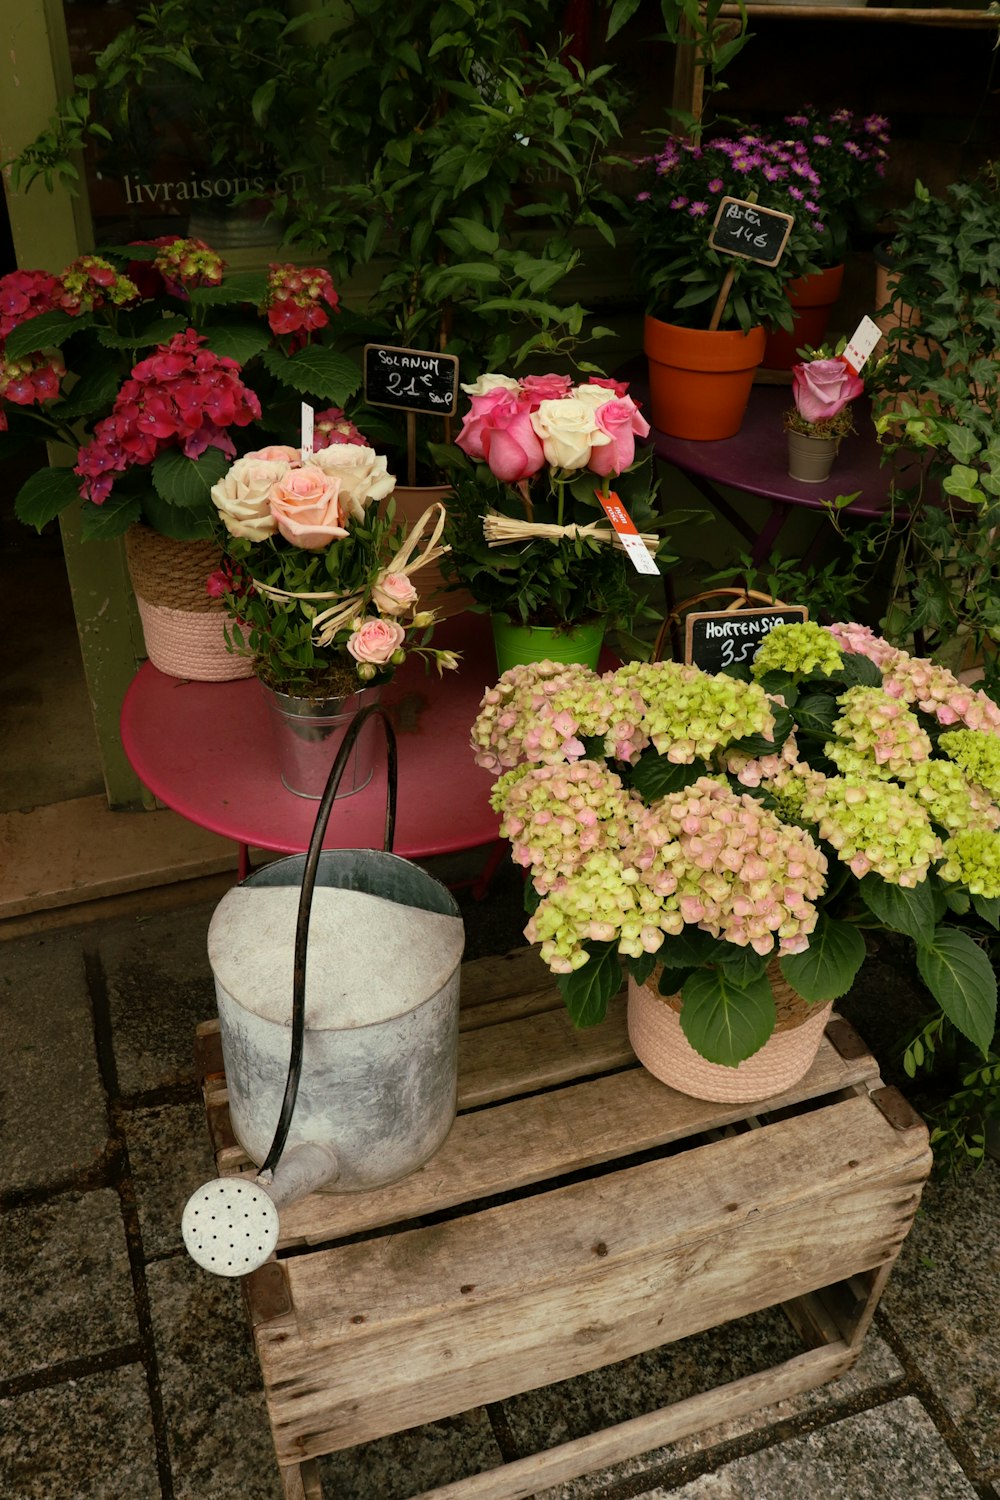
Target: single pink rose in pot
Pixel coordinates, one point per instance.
(392, 593)
(375, 641)
(306, 505)
(823, 388)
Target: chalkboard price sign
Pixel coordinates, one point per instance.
(751, 232)
(416, 380)
(729, 638)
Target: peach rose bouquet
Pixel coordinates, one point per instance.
(320, 580)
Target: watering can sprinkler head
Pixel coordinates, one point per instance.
(230, 1225)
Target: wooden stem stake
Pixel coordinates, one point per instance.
(722, 299)
(411, 448)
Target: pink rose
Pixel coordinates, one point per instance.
(375, 641)
(823, 387)
(276, 454)
(306, 505)
(546, 387)
(498, 428)
(619, 387)
(621, 419)
(392, 593)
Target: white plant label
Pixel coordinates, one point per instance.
(625, 530)
(862, 342)
(307, 432)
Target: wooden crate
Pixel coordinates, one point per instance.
(629, 1216)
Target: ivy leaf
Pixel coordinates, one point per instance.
(907, 911)
(725, 1021)
(315, 371)
(960, 977)
(588, 989)
(828, 967)
(44, 495)
(187, 482)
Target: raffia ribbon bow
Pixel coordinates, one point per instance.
(329, 621)
(499, 531)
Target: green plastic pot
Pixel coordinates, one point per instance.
(517, 645)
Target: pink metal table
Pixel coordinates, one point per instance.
(204, 749)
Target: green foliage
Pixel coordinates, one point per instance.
(725, 1020)
(588, 990)
(957, 1095)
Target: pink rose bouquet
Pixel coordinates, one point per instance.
(530, 539)
(156, 369)
(703, 828)
(321, 582)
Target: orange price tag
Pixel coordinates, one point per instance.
(625, 529)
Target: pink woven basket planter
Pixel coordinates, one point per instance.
(182, 626)
(654, 1029)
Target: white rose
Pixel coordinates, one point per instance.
(592, 395)
(568, 432)
(242, 496)
(362, 472)
(490, 383)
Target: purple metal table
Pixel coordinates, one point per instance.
(754, 461)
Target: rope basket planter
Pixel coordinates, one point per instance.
(182, 626)
(654, 1029)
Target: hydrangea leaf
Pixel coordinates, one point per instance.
(653, 776)
(901, 910)
(47, 331)
(690, 948)
(44, 495)
(959, 975)
(988, 907)
(177, 521)
(588, 989)
(829, 966)
(724, 1021)
(187, 482)
(315, 371)
(99, 523)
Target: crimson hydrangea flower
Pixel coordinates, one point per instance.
(30, 380)
(182, 396)
(91, 283)
(24, 295)
(294, 298)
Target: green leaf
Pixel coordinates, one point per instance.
(859, 671)
(154, 333)
(689, 949)
(757, 744)
(724, 1021)
(44, 495)
(99, 523)
(642, 967)
(588, 989)
(315, 371)
(478, 235)
(262, 99)
(909, 911)
(239, 341)
(244, 286)
(988, 907)
(960, 977)
(815, 714)
(94, 391)
(47, 331)
(621, 12)
(742, 964)
(187, 482)
(653, 776)
(828, 967)
(176, 521)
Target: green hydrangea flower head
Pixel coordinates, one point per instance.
(801, 649)
(978, 753)
(973, 859)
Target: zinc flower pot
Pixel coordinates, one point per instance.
(183, 627)
(654, 1029)
(307, 734)
(517, 645)
(700, 381)
(812, 298)
(810, 459)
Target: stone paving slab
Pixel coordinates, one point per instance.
(407, 1463)
(217, 1430)
(159, 988)
(64, 1268)
(943, 1302)
(53, 1116)
(89, 1439)
(894, 1450)
(170, 1156)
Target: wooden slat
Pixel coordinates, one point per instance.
(529, 1140)
(496, 978)
(526, 1477)
(537, 1052)
(416, 1326)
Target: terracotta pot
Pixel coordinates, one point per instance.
(810, 459)
(700, 382)
(411, 502)
(654, 1029)
(812, 299)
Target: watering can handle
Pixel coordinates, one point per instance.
(305, 905)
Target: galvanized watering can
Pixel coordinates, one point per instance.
(353, 1079)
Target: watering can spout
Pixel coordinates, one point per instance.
(230, 1226)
